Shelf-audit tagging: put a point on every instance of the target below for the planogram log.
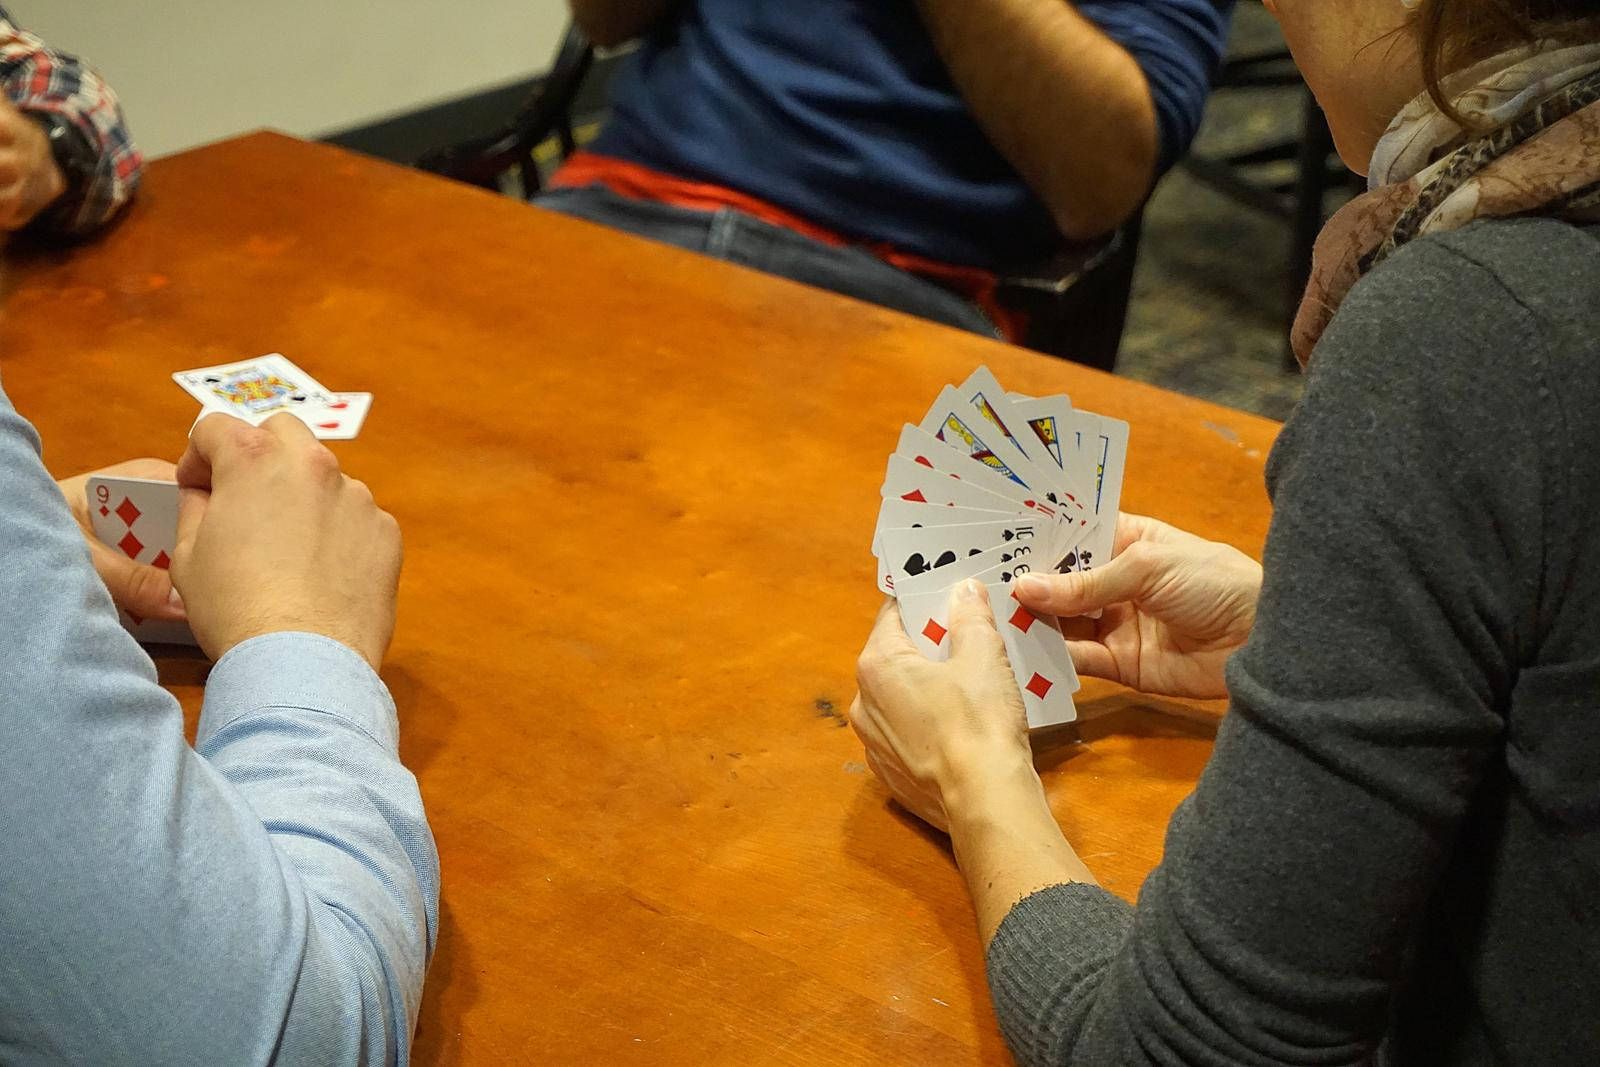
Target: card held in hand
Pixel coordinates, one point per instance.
(989, 486)
(138, 518)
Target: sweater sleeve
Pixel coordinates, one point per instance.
(273, 895)
(1402, 574)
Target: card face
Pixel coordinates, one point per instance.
(1000, 565)
(959, 425)
(924, 450)
(138, 517)
(895, 513)
(909, 552)
(1039, 659)
(909, 480)
(988, 397)
(340, 419)
(1034, 645)
(254, 387)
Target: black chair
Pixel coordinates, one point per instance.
(1078, 314)
(1300, 200)
(548, 112)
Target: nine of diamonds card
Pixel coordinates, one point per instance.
(993, 485)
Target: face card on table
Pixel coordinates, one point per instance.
(912, 551)
(254, 387)
(138, 517)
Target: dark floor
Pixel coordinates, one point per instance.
(1210, 298)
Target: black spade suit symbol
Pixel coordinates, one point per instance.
(916, 564)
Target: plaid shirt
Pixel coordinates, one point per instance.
(39, 80)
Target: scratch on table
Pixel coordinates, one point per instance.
(1223, 432)
(854, 767)
(826, 710)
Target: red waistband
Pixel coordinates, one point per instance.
(638, 182)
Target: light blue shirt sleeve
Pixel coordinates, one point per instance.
(269, 897)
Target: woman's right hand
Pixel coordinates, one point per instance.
(1175, 607)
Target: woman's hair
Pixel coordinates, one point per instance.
(1454, 34)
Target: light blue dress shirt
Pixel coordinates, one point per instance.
(269, 896)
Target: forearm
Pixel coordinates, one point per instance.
(611, 22)
(1064, 103)
(1008, 844)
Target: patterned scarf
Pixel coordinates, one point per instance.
(1542, 157)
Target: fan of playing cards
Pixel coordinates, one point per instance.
(992, 485)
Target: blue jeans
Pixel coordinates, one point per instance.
(739, 238)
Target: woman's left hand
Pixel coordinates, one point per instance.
(938, 734)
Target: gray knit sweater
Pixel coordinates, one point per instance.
(1395, 850)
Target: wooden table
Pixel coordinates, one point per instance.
(637, 488)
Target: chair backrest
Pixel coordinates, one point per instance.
(482, 160)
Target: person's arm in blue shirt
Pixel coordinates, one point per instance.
(1090, 102)
(270, 896)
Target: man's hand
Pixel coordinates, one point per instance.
(1176, 606)
(272, 537)
(135, 587)
(30, 181)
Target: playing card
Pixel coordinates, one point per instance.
(1037, 652)
(338, 420)
(1000, 565)
(912, 551)
(895, 513)
(906, 479)
(254, 387)
(1070, 517)
(985, 393)
(957, 423)
(1051, 422)
(139, 518)
(1103, 448)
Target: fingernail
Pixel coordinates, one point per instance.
(174, 600)
(1033, 585)
(972, 589)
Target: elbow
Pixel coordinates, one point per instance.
(1093, 215)
(1090, 206)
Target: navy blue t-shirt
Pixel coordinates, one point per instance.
(842, 112)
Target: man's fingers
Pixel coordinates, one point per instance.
(191, 510)
(1125, 578)
(206, 441)
(972, 632)
(136, 587)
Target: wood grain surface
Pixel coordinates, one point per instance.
(637, 488)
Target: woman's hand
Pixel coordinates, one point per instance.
(1175, 607)
(137, 588)
(938, 734)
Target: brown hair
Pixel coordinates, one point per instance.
(1453, 34)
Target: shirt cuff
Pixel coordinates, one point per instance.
(299, 671)
(1047, 959)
